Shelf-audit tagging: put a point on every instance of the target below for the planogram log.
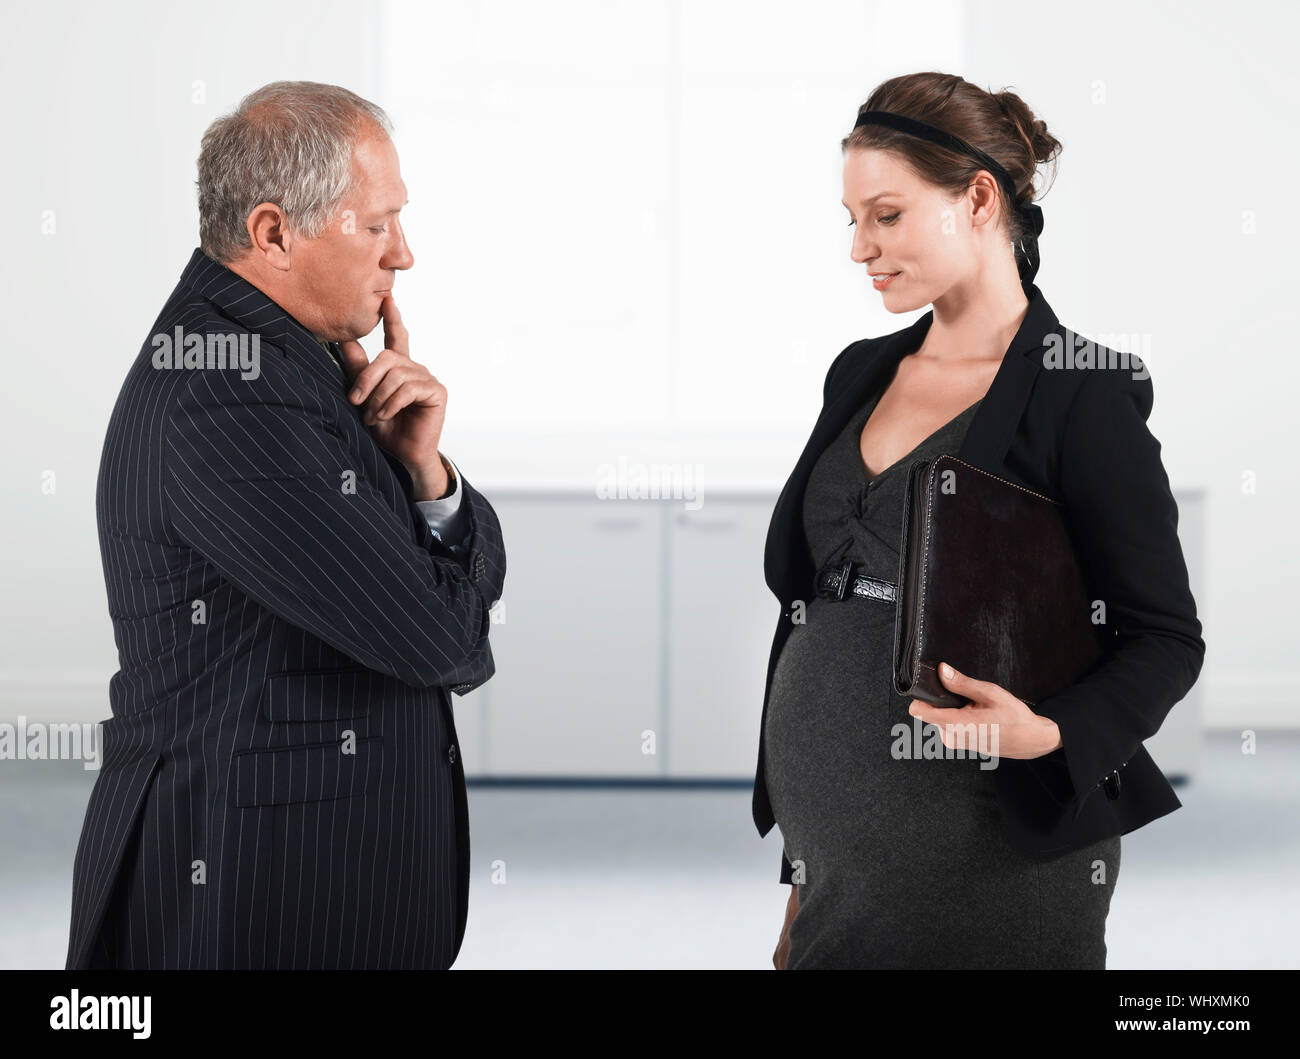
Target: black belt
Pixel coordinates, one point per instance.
(836, 580)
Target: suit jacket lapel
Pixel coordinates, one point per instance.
(251, 308)
(779, 559)
(987, 440)
(993, 428)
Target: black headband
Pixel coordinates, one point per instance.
(1031, 212)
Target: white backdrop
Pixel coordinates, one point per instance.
(628, 236)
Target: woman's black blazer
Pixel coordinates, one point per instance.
(1079, 435)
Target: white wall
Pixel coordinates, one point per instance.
(1173, 220)
(629, 242)
(102, 130)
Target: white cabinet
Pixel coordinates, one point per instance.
(720, 621)
(578, 650)
(626, 621)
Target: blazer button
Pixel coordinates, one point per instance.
(451, 753)
(1112, 785)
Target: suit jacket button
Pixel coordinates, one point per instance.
(1112, 785)
(451, 753)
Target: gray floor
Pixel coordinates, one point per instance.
(678, 878)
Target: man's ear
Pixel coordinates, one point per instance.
(268, 228)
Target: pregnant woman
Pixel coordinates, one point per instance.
(899, 859)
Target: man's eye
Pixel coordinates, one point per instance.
(379, 231)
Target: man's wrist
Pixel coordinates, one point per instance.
(432, 483)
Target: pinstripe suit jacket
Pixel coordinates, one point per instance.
(280, 785)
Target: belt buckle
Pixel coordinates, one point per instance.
(846, 571)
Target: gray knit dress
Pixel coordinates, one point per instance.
(904, 860)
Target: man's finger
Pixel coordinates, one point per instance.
(354, 358)
(415, 392)
(395, 337)
(386, 383)
(365, 381)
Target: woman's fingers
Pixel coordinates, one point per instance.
(961, 684)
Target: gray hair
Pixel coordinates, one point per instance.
(289, 142)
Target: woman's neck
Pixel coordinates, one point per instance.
(975, 323)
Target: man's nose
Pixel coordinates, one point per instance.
(399, 255)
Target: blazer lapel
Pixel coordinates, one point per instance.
(994, 425)
(240, 301)
(786, 531)
(989, 436)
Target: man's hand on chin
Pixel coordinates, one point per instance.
(402, 403)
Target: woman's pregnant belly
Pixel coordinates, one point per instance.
(853, 778)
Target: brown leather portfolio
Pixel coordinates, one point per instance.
(989, 582)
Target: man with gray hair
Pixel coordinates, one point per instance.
(297, 578)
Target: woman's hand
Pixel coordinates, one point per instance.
(1009, 727)
(783, 943)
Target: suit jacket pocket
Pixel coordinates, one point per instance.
(313, 772)
(321, 694)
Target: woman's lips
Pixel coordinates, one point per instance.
(881, 282)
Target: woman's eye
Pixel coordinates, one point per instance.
(883, 220)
